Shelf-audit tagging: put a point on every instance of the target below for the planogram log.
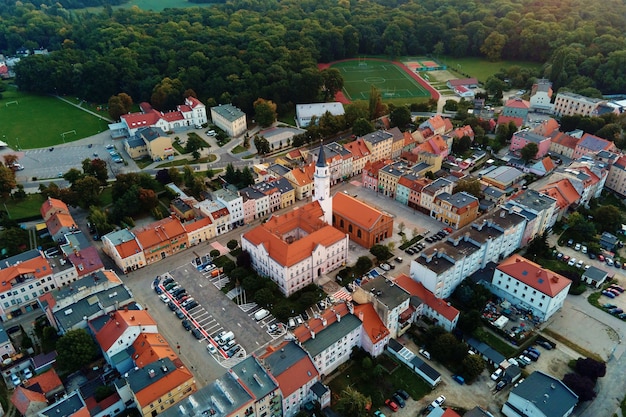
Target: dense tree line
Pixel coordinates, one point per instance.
(245, 49)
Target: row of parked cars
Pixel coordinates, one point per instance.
(397, 400)
(583, 249)
(612, 291)
(439, 235)
(614, 310)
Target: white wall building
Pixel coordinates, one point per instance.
(234, 203)
(306, 112)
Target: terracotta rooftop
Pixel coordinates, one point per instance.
(534, 275)
(418, 290)
(120, 321)
(372, 324)
(45, 382)
(53, 203)
(23, 397)
(58, 221)
(357, 211)
(564, 139)
(159, 231)
(291, 367)
(35, 267)
(150, 347)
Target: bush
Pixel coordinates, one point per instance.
(214, 253)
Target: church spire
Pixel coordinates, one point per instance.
(321, 157)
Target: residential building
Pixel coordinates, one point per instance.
(434, 145)
(415, 363)
(426, 304)
(616, 179)
(585, 181)
(149, 142)
(255, 204)
(546, 127)
(6, 346)
(161, 239)
(230, 119)
(360, 155)
(528, 285)
(523, 137)
(301, 179)
(494, 236)
(200, 230)
(234, 203)
(60, 224)
(380, 144)
(124, 249)
(375, 335)
(540, 395)
(217, 212)
(370, 173)
(156, 387)
(398, 141)
(52, 206)
(538, 209)
(516, 107)
(501, 177)
(563, 144)
(590, 144)
(295, 373)
(28, 402)
(431, 191)
(388, 301)
(506, 121)
(296, 247)
(564, 193)
(570, 104)
(364, 224)
(71, 405)
(594, 276)
(306, 112)
(541, 96)
(337, 158)
(329, 339)
(388, 177)
(182, 209)
(455, 210)
(464, 82)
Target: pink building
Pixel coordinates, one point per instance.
(524, 137)
(590, 144)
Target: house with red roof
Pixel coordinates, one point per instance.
(375, 335)
(435, 145)
(542, 167)
(563, 144)
(506, 120)
(591, 145)
(425, 303)
(47, 383)
(293, 369)
(516, 107)
(161, 239)
(301, 179)
(59, 224)
(465, 82)
(369, 175)
(52, 206)
(124, 249)
(524, 137)
(565, 194)
(28, 402)
(528, 285)
(437, 124)
(360, 154)
(546, 127)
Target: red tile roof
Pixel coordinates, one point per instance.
(163, 385)
(48, 381)
(158, 232)
(37, 267)
(517, 103)
(548, 164)
(417, 289)
(534, 275)
(357, 211)
(120, 321)
(547, 127)
(297, 375)
(198, 224)
(308, 218)
(463, 131)
(95, 407)
(372, 324)
(463, 81)
(502, 120)
(22, 398)
(564, 139)
(58, 221)
(86, 261)
(357, 148)
(128, 248)
(563, 191)
(318, 324)
(303, 175)
(150, 347)
(53, 203)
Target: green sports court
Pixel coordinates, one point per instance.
(391, 80)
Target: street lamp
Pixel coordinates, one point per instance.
(18, 143)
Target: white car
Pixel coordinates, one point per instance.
(211, 348)
(164, 298)
(497, 374)
(385, 267)
(577, 247)
(438, 401)
(28, 373)
(579, 264)
(16, 380)
(583, 249)
(572, 262)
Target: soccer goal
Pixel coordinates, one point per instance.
(11, 102)
(69, 132)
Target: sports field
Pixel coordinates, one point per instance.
(391, 80)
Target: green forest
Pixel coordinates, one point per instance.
(245, 49)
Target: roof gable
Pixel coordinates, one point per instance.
(533, 275)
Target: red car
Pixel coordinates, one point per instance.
(565, 258)
(392, 405)
(601, 258)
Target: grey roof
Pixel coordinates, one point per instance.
(4, 336)
(533, 200)
(396, 133)
(226, 194)
(377, 137)
(318, 109)
(279, 169)
(547, 393)
(321, 157)
(135, 142)
(181, 205)
(319, 389)
(477, 412)
(426, 369)
(485, 350)
(458, 200)
(596, 274)
(250, 193)
(20, 257)
(120, 236)
(283, 185)
(228, 111)
(331, 334)
(139, 379)
(396, 169)
(593, 143)
(64, 407)
(503, 174)
(283, 359)
(254, 377)
(92, 280)
(75, 241)
(223, 396)
(391, 295)
(150, 133)
(91, 306)
(493, 192)
(44, 359)
(608, 239)
(436, 185)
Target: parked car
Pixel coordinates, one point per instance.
(609, 306)
(545, 344)
(28, 373)
(197, 334)
(402, 393)
(570, 242)
(211, 348)
(601, 258)
(385, 267)
(424, 353)
(577, 247)
(15, 379)
(500, 385)
(233, 351)
(409, 251)
(609, 261)
(378, 413)
(180, 314)
(608, 293)
(559, 256)
(497, 374)
(583, 249)
(187, 324)
(565, 258)
(617, 287)
(164, 298)
(535, 351)
(618, 264)
(191, 305)
(398, 400)
(393, 406)
(579, 264)
(172, 306)
(439, 401)
(592, 255)
(459, 379)
(524, 359)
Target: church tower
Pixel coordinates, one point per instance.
(321, 182)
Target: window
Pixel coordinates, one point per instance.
(349, 228)
(358, 233)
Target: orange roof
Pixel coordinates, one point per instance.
(563, 187)
(517, 103)
(463, 131)
(83, 412)
(53, 203)
(546, 127)
(112, 276)
(308, 218)
(120, 321)
(547, 163)
(48, 298)
(506, 119)
(158, 232)
(357, 148)
(47, 381)
(405, 181)
(164, 385)
(565, 140)
(447, 125)
(128, 248)
(534, 275)
(37, 267)
(408, 139)
(357, 211)
(303, 175)
(198, 224)
(372, 167)
(450, 413)
(437, 122)
(417, 289)
(372, 324)
(438, 144)
(58, 221)
(22, 398)
(297, 375)
(302, 333)
(150, 347)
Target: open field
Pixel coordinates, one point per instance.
(481, 68)
(38, 121)
(392, 81)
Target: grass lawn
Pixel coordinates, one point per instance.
(106, 197)
(238, 149)
(21, 209)
(482, 68)
(288, 118)
(495, 342)
(392, 81)
(143, 162)
(249, 156)
(38, 121)
(386, 383)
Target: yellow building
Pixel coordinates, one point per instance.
(151, 142)
(455, 210)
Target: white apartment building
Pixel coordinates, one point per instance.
(234, 203)
(537, 208)
(490, 238)
(569, 104)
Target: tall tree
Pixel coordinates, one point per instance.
(376, 106)
(529, 151)
(264, 112)
(75, 349)
(332, 83)
(7, 181)
(352, 403)
(400, 116)
(167, 94)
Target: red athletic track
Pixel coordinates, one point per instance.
(340, 97)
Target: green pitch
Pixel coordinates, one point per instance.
(390, 80)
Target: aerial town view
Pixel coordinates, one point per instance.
(264, 208)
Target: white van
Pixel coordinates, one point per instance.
(227, 337)
(261, 314)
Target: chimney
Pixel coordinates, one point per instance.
(361, 315)
(151, 373)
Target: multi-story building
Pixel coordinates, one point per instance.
(565, 194)
(524, 137)
(455, 210)
(563, 144)
(230, 119)
(570, 104)
(541, 96)
(338, 159)
(375, 335)
(616, 179)
(437, 125)
(199, 230)
(60, 224)
(121, 330)
(389, 302)
(234, 203)
(528, 285)
(516, 107)
(490, 238)
(217, 212)
(380, 144)
(305, 113)
(364, 224)
(287, 192)
(389, 175)
(124, 249)
(431, 191)
(6, 346)
(502, 177)
(591, 145)
(540, 395)
(369, 175)
(161, 239)
(538, 210)
(52, 206)
(255, 204)
(398, 141)
(586, 181)
(301, 180)
(408, 188)
(360, 155)
(149, 142)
